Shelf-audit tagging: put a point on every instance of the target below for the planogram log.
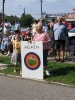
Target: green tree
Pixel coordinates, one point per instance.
(26, 20)
(11, 19)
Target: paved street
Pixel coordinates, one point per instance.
(12, 88)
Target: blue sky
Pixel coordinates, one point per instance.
(16, 7)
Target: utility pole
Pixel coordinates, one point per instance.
(41, 7)
(3, 1)
(24, 11)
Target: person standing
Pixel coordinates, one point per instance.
(51, 32)
(45, 27)
(6, 27)
(10, 44)
(60, 32)
(44, 37)
(16, 52)
(52, 24)
(34, 27)
(17, 25)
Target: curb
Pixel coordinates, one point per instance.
(43, 81)
(66, 85)
(13, 76)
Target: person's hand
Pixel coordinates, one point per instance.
(44, 42)
(30, 41)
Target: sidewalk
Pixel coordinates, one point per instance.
(68, 58)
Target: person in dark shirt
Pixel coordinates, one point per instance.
(27, 36)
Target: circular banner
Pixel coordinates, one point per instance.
(32, 55)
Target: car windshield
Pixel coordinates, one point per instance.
(12, 28)
(73, 30)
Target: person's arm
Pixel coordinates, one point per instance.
(8, 26)
(51, 26)
(19, 28)
(2, 24)
(48, 40)
(46, 28)
(13, 45)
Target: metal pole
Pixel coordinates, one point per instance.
(24, 11)
(41, 7)
(2, 10)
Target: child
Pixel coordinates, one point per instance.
(10, 45)
(4, 43)
(27, 36)
(16, 46)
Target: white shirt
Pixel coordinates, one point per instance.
(17, 25)
(7, 24)
(34, 28)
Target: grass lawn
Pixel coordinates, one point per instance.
(60, 72)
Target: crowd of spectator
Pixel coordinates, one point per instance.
(37, 32)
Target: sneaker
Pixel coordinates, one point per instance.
(14, 70)
(62, 61)
(8, 54)
(47, 73)
(57, 60)
(2, 52)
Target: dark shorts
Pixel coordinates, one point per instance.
(45, 54)
(60, 44)
(19, 57)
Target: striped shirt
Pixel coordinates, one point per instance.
(42, 37)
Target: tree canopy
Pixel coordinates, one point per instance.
(26, 20)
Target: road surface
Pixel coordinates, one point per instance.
(12, 88)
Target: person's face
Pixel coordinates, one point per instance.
(42, 21)
(60, 20)
(29, 30)
(15, 21)
(17, 36)
(5, 21)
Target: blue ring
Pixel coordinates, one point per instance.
(39, 61)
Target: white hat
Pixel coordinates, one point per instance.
(59, 17)
(28, 28)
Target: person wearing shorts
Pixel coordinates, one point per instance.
(60, 44)
(60, 32)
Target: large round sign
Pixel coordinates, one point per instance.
(32, 55)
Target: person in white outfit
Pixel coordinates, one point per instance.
(17, 25)
(6, 27)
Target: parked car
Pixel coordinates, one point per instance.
(71, 35)
(23, 31)
(12, 29)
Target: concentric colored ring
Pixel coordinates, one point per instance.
(36, 57)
